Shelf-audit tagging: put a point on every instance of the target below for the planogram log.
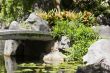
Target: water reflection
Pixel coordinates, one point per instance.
(10, 64)
(22, 65)
(27, 65)
(2, 65)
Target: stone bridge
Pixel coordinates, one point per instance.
(26, 43)
(25, 35)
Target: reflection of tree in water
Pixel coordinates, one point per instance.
(2, 66)
(10, 64)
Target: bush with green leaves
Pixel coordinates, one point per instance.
(15, 9)
(81, 37)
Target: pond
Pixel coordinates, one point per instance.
(30, 65)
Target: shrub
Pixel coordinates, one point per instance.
(85, 17)
(77, 26)
(81, 37)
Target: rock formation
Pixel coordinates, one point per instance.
(56, 57)
(64, 42)
(98, 51)
(10, 47)
(37, 23)
(97, 58)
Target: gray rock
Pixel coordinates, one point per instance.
(102, 30)
(64, 42)
(37, 23)
(32, 18)
(14, 25)
(54, 58)
(98, 52)
(10, 47)
(10, 64)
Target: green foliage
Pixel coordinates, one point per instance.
(87, 18)
(2, 70)
(78, 29)
(95, 6)
(15, 9)
(81, 37)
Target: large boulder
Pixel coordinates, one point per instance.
(10, 47)
(33, 22)
(98, 52)
(54, 58)
(97, 58)
(37, 23)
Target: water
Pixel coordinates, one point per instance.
(29, 65)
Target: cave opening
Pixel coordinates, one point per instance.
(29, 50)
